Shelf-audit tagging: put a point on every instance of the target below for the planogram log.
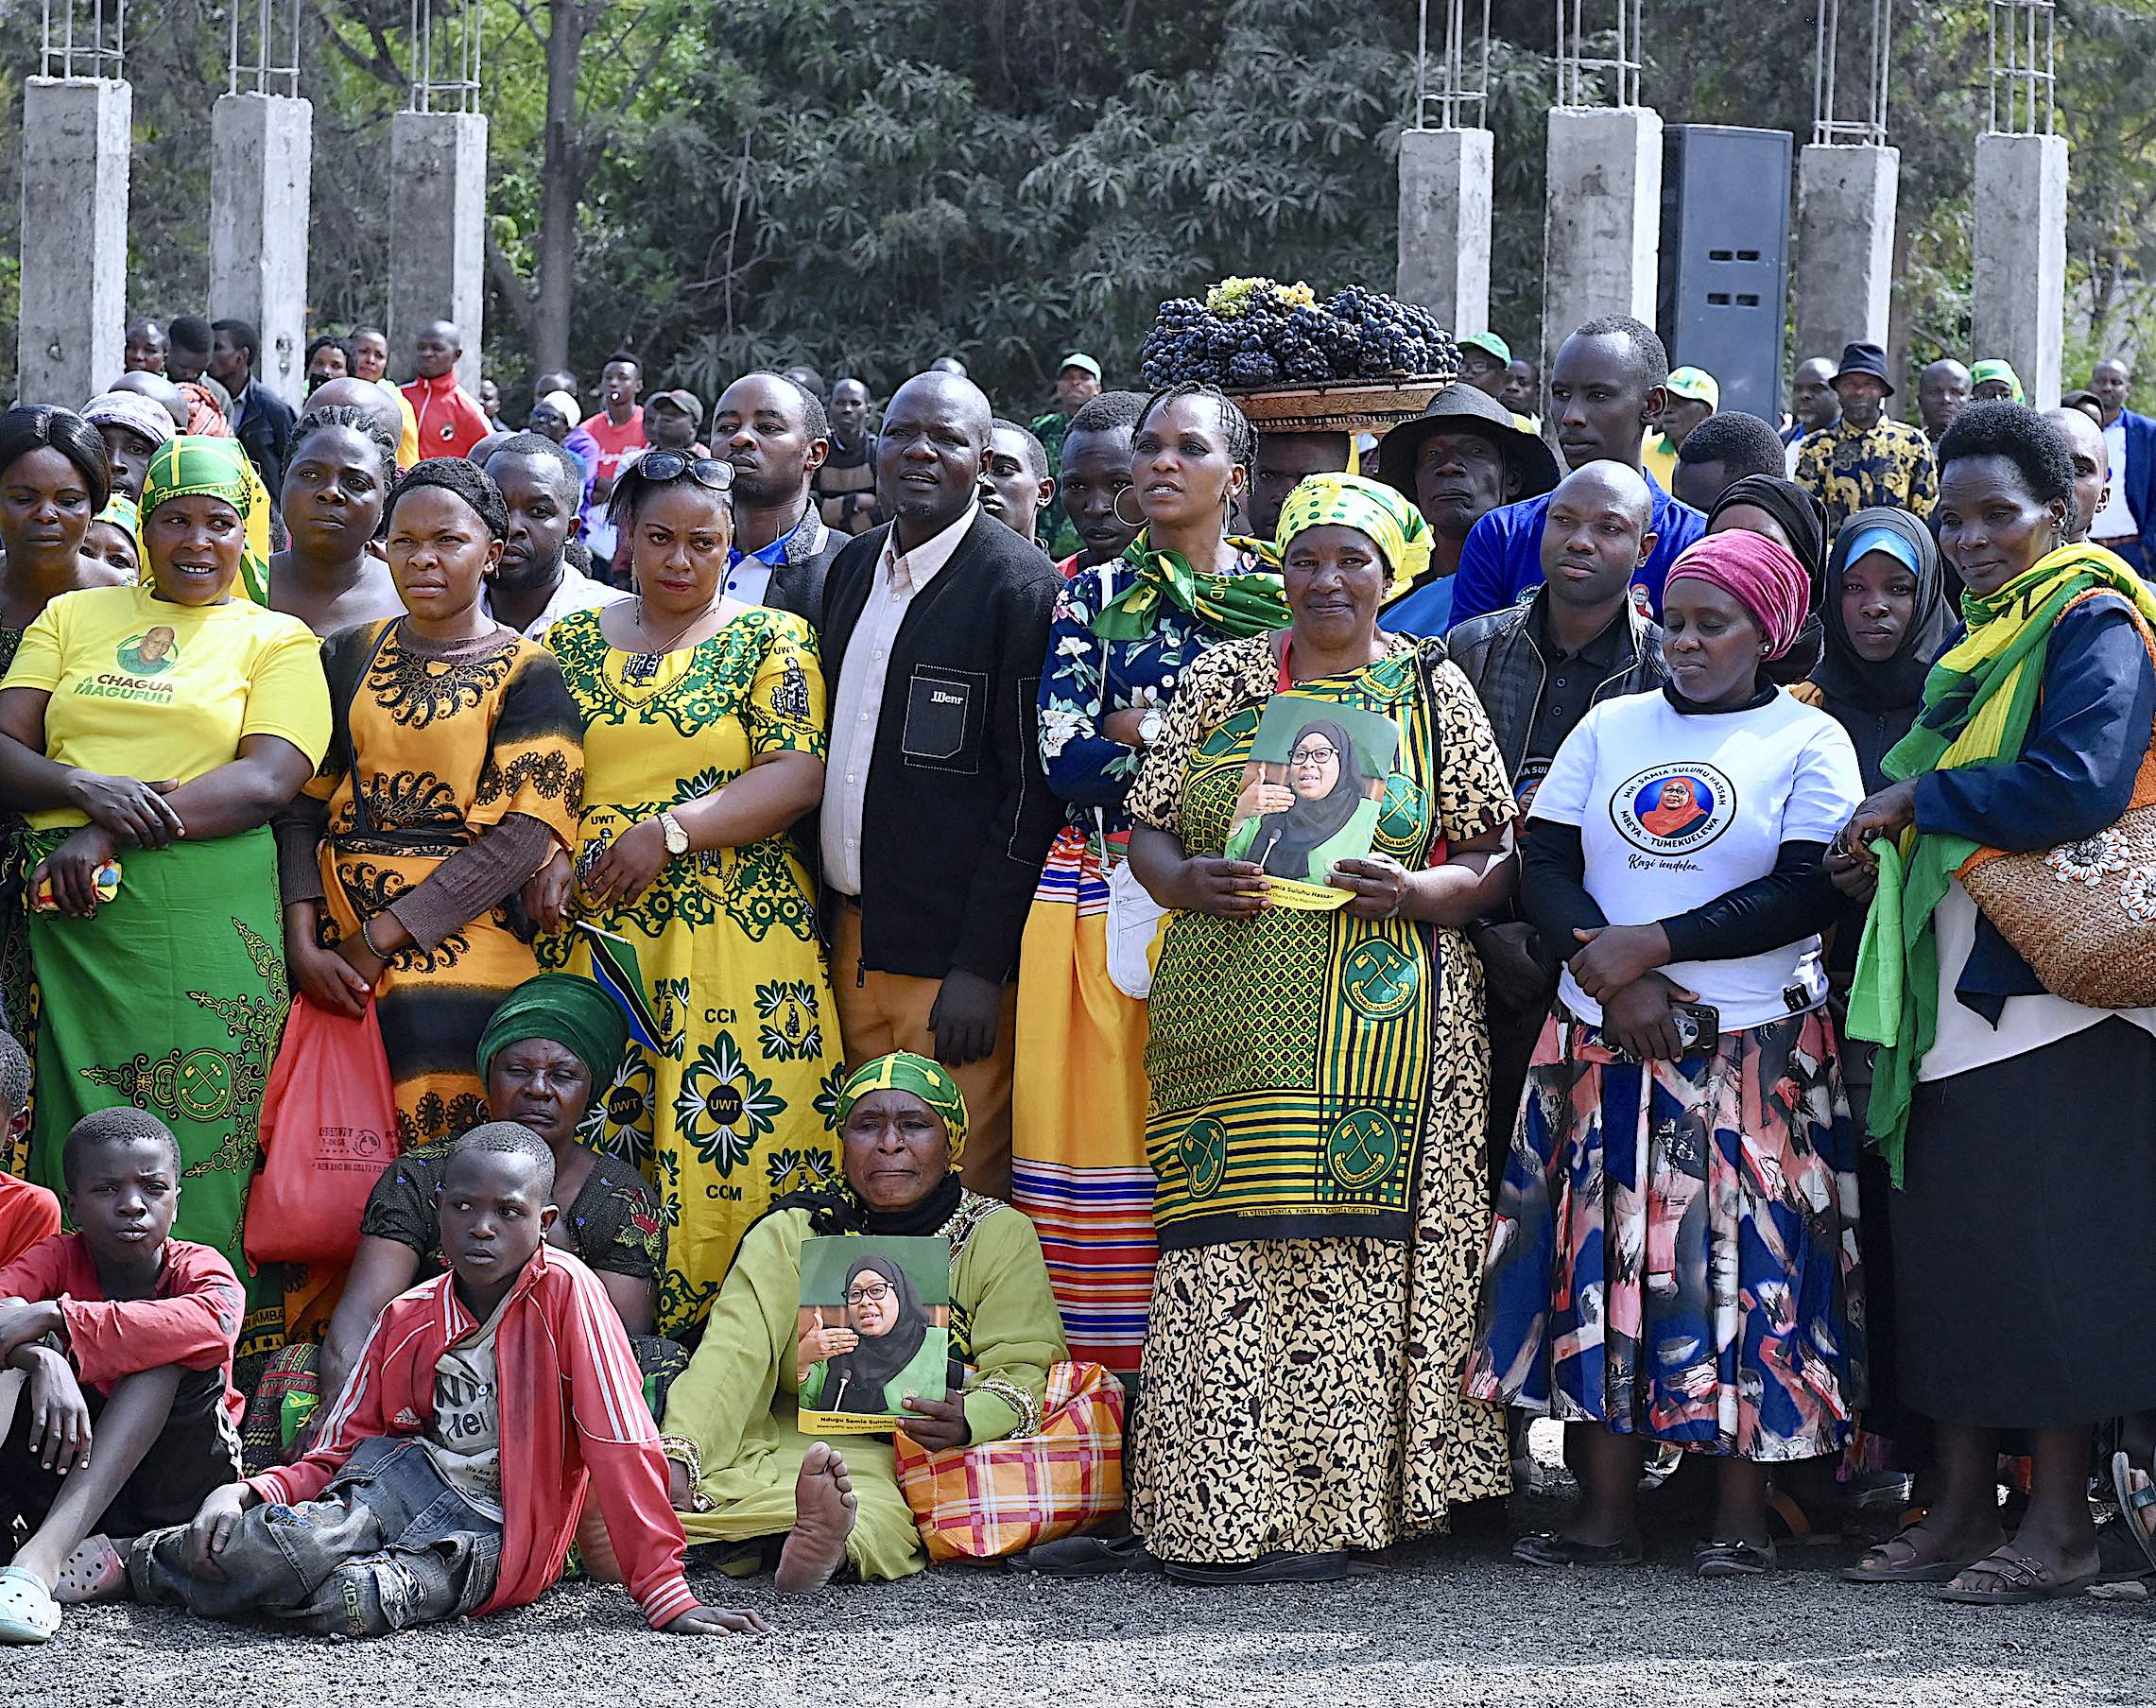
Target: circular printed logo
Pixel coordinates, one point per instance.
(1361, 1146)
(1673, 809)
(203, 1086)
(1378, 979)
(1204, 1151)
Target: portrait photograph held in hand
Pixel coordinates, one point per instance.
(1311, 795)
(875, 1313)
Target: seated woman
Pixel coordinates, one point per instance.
(743, 1473)
(552, 1040)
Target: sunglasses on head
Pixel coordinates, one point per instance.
(658, 466)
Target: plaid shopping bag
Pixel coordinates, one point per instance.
(1002, 1497)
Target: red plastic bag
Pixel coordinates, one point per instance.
(329, 1128)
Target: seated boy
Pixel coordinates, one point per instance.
(27, 1212)
(122, 1334)
(447, 1477)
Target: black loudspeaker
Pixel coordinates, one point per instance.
(1722, 299)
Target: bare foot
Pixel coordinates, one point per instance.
(823, 1519)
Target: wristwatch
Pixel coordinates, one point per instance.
(677, 838)
(1150, 726)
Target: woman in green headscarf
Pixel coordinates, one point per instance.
(743, 1474)
(147, 733)
(1123, 635)
(1319, 1082)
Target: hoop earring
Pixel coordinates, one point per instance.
(1136, 522)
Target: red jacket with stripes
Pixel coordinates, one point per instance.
(572, 1409)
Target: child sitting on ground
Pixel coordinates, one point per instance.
(447, 1477)
(122, 1333)
(27, 1212)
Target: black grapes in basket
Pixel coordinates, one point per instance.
(1250, 334)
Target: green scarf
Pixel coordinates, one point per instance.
(571, 1012)
(1978, 703)
(1238, 606)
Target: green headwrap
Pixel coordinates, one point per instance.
(1995, 367)
(903, 1071)
(122, 512)
(1395, 526)
(571, 1010)
(193, 464)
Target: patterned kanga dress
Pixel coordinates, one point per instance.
(1315, 1076)
(733, 1111)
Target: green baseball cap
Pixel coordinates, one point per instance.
(1696, 384)
(1489, 343)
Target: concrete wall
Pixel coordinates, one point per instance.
(2018, 303)
(75, 136)
(437, 243)
(1845, 245)
(261, 151)
(1444, 225)
(1601, 225)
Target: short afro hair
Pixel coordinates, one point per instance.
(463, 477)
(538, 444)
(816, 420)
(2019, 434)
(1742, 443)
(1036, 453)
(506, 1138)
(1648, 351)
(122, 1125)
(14, 1076)
(1107, 412)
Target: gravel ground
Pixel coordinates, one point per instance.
(1450, 1621)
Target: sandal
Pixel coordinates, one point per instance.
(1788, 1521)
(1732, 1560)
(1326, 1567)
(94, 1572)
(2027, 1579)
(2134, 1501)
(1912, 1568)
(27, 1611)
(1546, 1547)
(1088, 1557)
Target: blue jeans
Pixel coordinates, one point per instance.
(388, 1544)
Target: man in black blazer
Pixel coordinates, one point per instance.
(262, 421)
(936, 816)
(776, 436)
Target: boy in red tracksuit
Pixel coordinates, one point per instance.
(448, 1475)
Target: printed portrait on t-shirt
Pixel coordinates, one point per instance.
(151, 653)
(1673, 809)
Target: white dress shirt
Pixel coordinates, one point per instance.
(857, 699)
(574, 592)
(2116, 520)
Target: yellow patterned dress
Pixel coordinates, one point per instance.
(733, 1111)
(433, 748)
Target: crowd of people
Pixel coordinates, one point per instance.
(1682, 933)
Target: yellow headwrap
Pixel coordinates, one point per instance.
(122, 512)
(191, 464)
(903, 1071)
(1395, 526)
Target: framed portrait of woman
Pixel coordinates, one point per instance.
(1312, 791)
(874, 1330)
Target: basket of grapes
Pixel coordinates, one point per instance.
(1355, 363)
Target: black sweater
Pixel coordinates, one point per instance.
(957, 816)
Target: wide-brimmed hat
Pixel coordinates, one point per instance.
(1867, 359)
(1461, 405)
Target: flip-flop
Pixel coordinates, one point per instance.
(2132, 1502)
(94, 1572)
(2028, 1579)
(1546, 1547)
(27, 1611)
(1795, 1525)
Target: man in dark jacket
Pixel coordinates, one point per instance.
(936, 815)
(262, 421)
(1538, 667)
(2127, 523)
(775, 434)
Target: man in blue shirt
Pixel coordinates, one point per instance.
(1606, 385)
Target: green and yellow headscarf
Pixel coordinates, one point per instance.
(903, 1071)
(1394, 525)
(124, 513)
(1994, 367)
(193, 464)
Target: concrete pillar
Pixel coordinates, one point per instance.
(1845, 245)
(74, 299)
(261, 152)
(1602, 223)
(438, 235)
(1444, 225)
(2018, 300)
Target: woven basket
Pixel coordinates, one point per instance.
(2082, 914)
(1364, 406)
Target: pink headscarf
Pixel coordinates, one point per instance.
(1759, 574)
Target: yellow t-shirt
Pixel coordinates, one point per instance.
(141, 687)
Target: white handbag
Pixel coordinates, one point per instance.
(1134, 926)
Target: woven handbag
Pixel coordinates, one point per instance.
(2082, 914)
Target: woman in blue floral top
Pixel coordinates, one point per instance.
(1124, 631)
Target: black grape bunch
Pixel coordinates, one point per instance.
(1252, 334)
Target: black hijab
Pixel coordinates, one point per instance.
(854, 1381)
(1804, 518)
(1878, 703)
(1286, 840)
